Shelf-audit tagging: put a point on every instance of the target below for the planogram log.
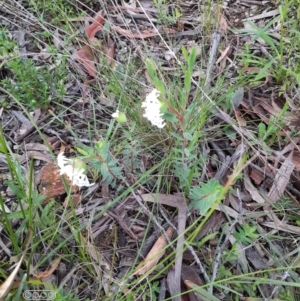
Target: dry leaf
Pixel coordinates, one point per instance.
(265, 14)
(251, 70)
(228, 211)
(96, 25)
(53, 266)
(256, 176)
(224, 54)
(85, 57)
(241, 120)
(33, 154)
(282, 179)
(20, 116)
(265, 104)
(131, 5)
(57, 41)
(257, 260)
(142, 35)
(296, 159)
(190, 274)
(282, 227)
(33, 147)
(109, 51)
(223, 24)
(251, 189)
(155, 254)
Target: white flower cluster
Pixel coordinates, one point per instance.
(76, 175)
(152, 109)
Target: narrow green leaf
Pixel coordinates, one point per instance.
(187, 81)
(185, 53)
(150, 65)
(16, 190)
(159, 85)
(188, 136)
(201, 293)
(192, 59)
(261, 131)
(169, 117)
(82, 151)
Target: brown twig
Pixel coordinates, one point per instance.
(122, 223)
(190, 248)
(220, 249)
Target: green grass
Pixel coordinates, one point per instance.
(137, 157)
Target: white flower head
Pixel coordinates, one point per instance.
(74, 169)
(115, 114)
(152, 109)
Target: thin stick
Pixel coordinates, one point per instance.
(220, 249)
(216, 37)
(196, 258)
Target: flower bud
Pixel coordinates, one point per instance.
(78, 164)
(119, 116)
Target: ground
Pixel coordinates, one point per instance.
(149, 150)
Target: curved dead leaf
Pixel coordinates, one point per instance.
(257, 176)
(96, 25)
(85, 57)
(154, 255)
(33, 154)
(53, 266)
(223, 24)
(189, 274)
(130, 5)
(109, 51)
(139, 35)
(110, 54)
(282, 179)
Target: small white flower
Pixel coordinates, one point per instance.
(76, 175)
(62, 160)
(115, 114)
(152, 109)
